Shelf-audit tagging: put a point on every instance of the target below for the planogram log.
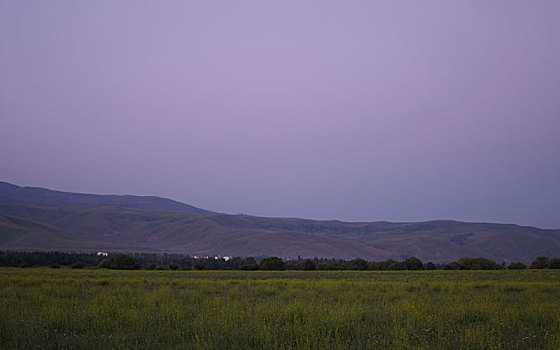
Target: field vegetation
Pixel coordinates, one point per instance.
(102, 308)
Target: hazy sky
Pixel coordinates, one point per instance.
(350, 110)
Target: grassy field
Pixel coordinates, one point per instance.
(103, 309)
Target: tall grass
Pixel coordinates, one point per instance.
(94, 309)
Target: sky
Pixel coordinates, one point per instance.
(348, 110)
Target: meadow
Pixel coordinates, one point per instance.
(103, 309)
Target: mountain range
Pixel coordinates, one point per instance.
(33, 218)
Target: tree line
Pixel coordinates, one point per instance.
(152, 261)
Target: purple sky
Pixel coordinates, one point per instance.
(350, 110)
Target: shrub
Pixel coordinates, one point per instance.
(517, 266)
(78, 265)
(272, 263)
(430, 266)
(473, 264)
(173, 266)
(25, 263)
(248, 267)
(55, 266)
(395, 265)
(452, 266)
(541, 262)
(356, 264)
(306, 265)
(387, 265)
(120, 262)
(413, 263)
(554, 263)
(325, 265)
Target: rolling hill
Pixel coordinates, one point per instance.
(96, 200)
(31, 223)
(21, 234)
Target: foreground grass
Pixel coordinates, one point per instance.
(63, 308)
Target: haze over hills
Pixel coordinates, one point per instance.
(37, 218)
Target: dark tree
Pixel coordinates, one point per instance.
(453, 266)
(272, 263)
(249, 267)
(25, 263)
(249, 260)
(120, 262)
(478, 264)
(413, 263)
(329, 265)
(517, 266)
(395, 265)
(541, 262)
(186, 265)
(554, 263)
(306, 265)
(430, 266)
(356, 264)
(78, 265)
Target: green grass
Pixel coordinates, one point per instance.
(101, 309)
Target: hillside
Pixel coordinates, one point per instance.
(183, 232)
(89, 227)
(126, 201)
(21, 234)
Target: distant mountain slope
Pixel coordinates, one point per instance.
(439, 240)
(211, 233)
(126, 201)
(21, 234)
(182, 232)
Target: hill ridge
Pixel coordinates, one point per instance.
(124, 201)
(208, 233)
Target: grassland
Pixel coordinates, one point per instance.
(104, 309)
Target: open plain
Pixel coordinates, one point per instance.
(101, 309)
